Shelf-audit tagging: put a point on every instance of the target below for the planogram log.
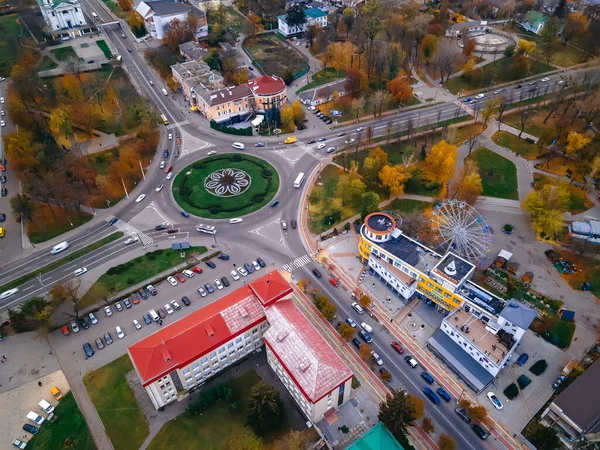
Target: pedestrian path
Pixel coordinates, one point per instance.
(297, 263)
(177, 124)
(130, 230)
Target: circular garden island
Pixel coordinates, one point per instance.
(225, 186)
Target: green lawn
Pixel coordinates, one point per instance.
(191, 195)
(566, 56)
(407, 205)
(61, 262)
(323, 77)
(418, 184)
(135, 271)
(10, 46)
(578, 201)
(123, 420)
(498, 174)
(69, 426)
(216, 429)
(47, 64)
(519, 146)
(104, 47)
(64, 53)
(563, 331)
(275, 57)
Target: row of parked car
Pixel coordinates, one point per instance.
(37, 419)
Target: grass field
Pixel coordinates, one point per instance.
(407, 205)
(535, 124)
(64, 53)
(51, 221)
(191, 194)
(323, 77)
(104, 47)
(563, 331)
(498, 174)
(61, 262)
(123, 420)
(47, 64)
(274, 56)
(578, 201)
(519, 146)
(559, 165)
(135, 271)
(9, 43)
(70, 427)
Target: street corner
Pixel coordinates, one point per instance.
(148, 218)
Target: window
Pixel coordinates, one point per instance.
(240, 348)
(263, 326)
(185, 372)
(213, 355)
(204, 360)
(255, 331)
(221, 350)
(230, 345)
(238, 340)
(232, 352)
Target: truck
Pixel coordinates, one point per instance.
(290, 140)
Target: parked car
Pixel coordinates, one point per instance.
(560, 380)
(135, 299)
(108, 338)
(127, 303)
(151, 289)
(351, 322)
(397, 347)
(225, 281)
(218, 283)
(144, 294)
(428, 378)
(495, 400)
(120, 332)
(442, 393)
(479, 431)
(249, 268)
(201, 291)
(65, 330)
(261, 262)
(136, 324)
(118, 306)
(161, 312)
(147, 319)
(186, 301)
(234, 275)
(356, 342)
(168, 309)
(88, 350)
(99, 343)
(175, 305)
(256, 265)
(188, 273)
(74, 327)
(462, 413)
(84, 323)
(211, 264)
(242, 271)
(172, 281)
(31, 429)
(180, 277)
(197, 269)
(209, 288)
(223, 256)
(93, 318)
(366, 336)
(377, 358)
(19, 444)
(522, 359)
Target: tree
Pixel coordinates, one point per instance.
(21, 205)
(60, 121)
(348, 16)
(489, 107)
(468, 186)
(562, 9)
(370, 30)
(340, 55)
(126, 5)
(526, 48)
(254, 24)
(364, 351)
(177, 32)
(543, 437)
(287, 118)
(329, 311)
(400, 410)
(265, 409)
(365, 301)
(469, 47)
(370, 203)
(547, 207)
(357, 81)
(439, 164)
(427, 425)
(445, 442)
(400, 89)
(575, 26)
(444, 58)
(299, 113)
(358, 105)
(244, 441)
(346, 331)
(575, 142)
(524, 115)
(509, 51)
(295, 440)
(428, 47)
(393, 179)
(478, 413)
(295, 16)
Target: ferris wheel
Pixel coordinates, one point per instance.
(461, 229)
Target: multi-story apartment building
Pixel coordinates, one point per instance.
(191, 74)
(481, 331)
(228, 105)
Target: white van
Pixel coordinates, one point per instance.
(35, 418)
(47, 407)
(165, 93)
(411, 362)
(238, 145)
(154, 315)
(366, 327)
(59, 247)
(357, 308)
(95, 16)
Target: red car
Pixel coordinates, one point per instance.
(65, 330)
(197, 269)
(135, 299)
(180, 277)
(178, 140)
(2, 167)
(397, 347)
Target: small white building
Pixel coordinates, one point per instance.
(62, 15)
(313, 16)
(158, 14)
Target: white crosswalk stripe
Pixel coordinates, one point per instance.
(130, 230)
(177, 124)
(296, 263)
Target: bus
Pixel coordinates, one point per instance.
(299, 180)
(164, 119)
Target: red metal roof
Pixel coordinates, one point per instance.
(309, 360)
(270, 288)
(266, 85)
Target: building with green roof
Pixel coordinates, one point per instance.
(377, 438)
(534, 21)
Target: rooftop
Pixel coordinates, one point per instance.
(311, 13)
(267, 85)
(380, 223)
(518, 314)
(453, 268)
(581, 400)
(313, 365)
(192, 50)
(535, 17)
(165, 8)
(482, 298)
(415, 254)
(229, 94)
(377, 438)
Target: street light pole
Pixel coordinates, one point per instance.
(126, 193)
(142, 169)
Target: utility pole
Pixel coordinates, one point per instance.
(142, 169)
(126, 193)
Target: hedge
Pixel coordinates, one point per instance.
(511, 391)
(539, 367)
(230, 130)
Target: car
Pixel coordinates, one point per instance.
(170, 136)
(140, 198)
(172, 230)
(88, 350)
(177, 141)
(261, 262)
(8, 293)
(185, 214)
(3, 179)
(242, 271)
(431, 396)
(136, 324)
(209, 288)
(428, 378)
(410, 361)
(2, 166)
(467, 100)
(331, 150)
(127, 303)
(19, 444)
(356, 342)
(175, 305)
(274, 203)
(218, 283)
(320, 146)
(180, 277)
(522, 359)
(2, 123)
(147, 319)
(377, 358)
(169, 176)
(366, 336)
(351, 322)
(162, 164)
(518, 86)
(74, 327)
(211, 264)
(2, 217)
(31, 429)
(349, 141)
(359, 129)
(545, 79)
(323, 139)
(341, 133)
(317, 273)
(143, 293)
(161, 312)
(65, 330)
(250, 68)
(99, 343)
(397, 347)
(201, 291)
(58, 248)
(495, 400)
(93, 318)
(151, 289)
(196, 269)
(462, 413)
(259, 144)
(120, 333)
(385, 374)
(168, 309)
(188, 273)
(225, 282)
(236, 220)
(160, 228)
(311, 141)
(498, 91)
(118, 306)
(249, 267)
(212, 152)
(172, 281)
(3, 192)
(159, 188)
(294, 224)
(479, 96)
(84, 323)
(135, 298)
(186, 301)
(131, 240)
(442, 393)
(479, 431)
(223, 256)
(256, 265)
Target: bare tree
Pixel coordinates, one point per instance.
(501, 109)
(524, 114)
(444, 58)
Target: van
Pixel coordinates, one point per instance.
(164, 92)
(153, 315)
(238, 145)
(95, 16)
(333, 282)
(411, 361)
(290, 140)
(56, 393)
(47, 407)
(357, 308)
(431, 395)
(366, 327)
(59, 247)
(35, 418)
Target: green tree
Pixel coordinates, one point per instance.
(329, 311)
(346, 331)
(370, 203)
(400, 410)
(265, 409)
(20, 204)
(543, 437)
(295, 15)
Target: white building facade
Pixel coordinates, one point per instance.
(62, 15)
(313, 16)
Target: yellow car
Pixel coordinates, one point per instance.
(1, 232)
(56, 393)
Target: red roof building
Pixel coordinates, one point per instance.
(268, 91)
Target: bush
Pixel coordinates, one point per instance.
(229, 130)
(130, 281)
(511, 391)
(198, 165)
(236, 158)
(347, 226)
(355, 383)
(539, 367)
(215, 209)
(258, 199)
(267, 173)
(208, 398)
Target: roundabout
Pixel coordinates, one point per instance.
(225, 186)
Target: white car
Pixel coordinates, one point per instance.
(479, 96)
(93, 318)
(172, 281)
(136, 324)
(235, 275)
(495, 400)
(119, 306)
(8, 293)
(170, 175)
(351, 322)
(140, 198)
(163, 164)
(108, 311)
(2, 123)
(321, 145)
(212, 152)
(256, 265)
(168, 309)
(175, 305)
(201, 291)
(359, 129)
(236, 220)
(377, 358)
(545, 79)
(80, 271)
(242, 271)
(120, 333)
(159, 188)
(218, 284)
(2, 113)
(170, 137)
(131, 240)
(2, 100)
(331, 150)
(188, 273)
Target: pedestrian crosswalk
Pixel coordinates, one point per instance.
(177, 124)
(296, 263)
(130, 230)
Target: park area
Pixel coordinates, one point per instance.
(225, 186)
(274, 57)
(498, 174)
(109, 390)
(578, 201)
(10, 31)
(142, 268)
(48, 221)
(517, 145)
